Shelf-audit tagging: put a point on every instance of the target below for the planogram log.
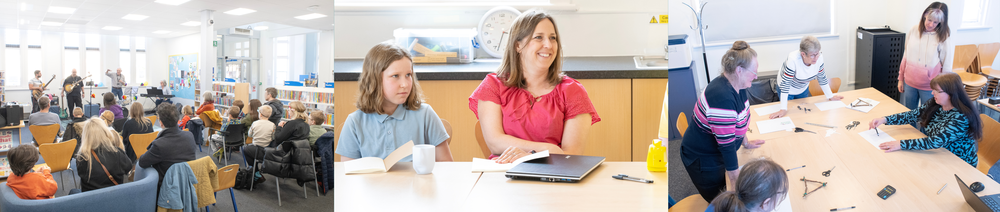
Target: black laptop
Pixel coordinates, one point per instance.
(979, 204)
(556, 168)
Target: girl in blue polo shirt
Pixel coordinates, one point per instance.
(390, 110)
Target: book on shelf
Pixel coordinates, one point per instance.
(4, 167)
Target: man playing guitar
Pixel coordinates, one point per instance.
(37, 89)
(73, 89)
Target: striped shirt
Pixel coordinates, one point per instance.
(795, 77)
(721, 115)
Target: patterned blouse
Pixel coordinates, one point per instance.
(947, 129)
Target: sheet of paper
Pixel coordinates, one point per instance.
(774, 125)
(763, 111)
(398, 154)
(855, 105)
(364, 165)
(487, 165)
(876, 138)
(824, 106)
(785, 205)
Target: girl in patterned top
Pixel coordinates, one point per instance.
(949, 121)
(719, 124)
(798, 70)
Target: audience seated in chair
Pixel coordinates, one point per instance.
(102, 161)
(28, 183)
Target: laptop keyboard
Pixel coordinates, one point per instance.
(992, 203)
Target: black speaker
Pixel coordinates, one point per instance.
(14, 114)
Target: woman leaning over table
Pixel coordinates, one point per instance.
(529, 105)
(949, 121)
(721, 116)
(801, 67)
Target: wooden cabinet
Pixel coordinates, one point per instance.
(629, 111)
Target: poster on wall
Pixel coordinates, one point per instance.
(6, 139)
(183, 70)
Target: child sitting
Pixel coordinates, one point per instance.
(188, 112)
(27, 183)
(316, 120)
(234, 114)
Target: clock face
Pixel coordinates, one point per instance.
(494, 30)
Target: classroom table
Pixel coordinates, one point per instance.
(453, 187)
(861, 169)
(988, 109)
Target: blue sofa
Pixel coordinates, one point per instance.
(139, 195)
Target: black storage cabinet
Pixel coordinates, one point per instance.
(879, 52)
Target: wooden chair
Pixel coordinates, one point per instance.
(693, 203)
(815, 90)
(989, 145)
(57, 156)
(682, 123)
(984, 61)
(44, 134)
(141, 141)
(964, 55)
(447, 129)
(973, 84)
(482, 141)
(152, 119)
(227, 179)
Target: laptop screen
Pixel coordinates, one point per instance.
(971, 197)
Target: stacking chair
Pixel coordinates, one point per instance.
(682, 123)
(482, 141)
(989, 145)
(227, 179)
(693, 203)
(44, 134)
(140, 142)
(58, 155)
(815, 90)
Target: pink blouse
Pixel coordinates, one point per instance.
(539, 121)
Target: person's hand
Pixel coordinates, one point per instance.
(890, 146)
(510, 155)
(44, 168)
(753, 144)
(109, 71)
(900, 86)
(282, 124)
(836, 98)
(876, 122)
(779, 114)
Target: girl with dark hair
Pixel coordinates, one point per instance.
(761, 186)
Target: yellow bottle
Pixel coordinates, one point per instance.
(655, 158)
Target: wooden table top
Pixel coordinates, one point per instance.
(986, 102)
(453, 187)
(861, 169)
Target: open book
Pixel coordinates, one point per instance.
(375, 165)
(487, 165)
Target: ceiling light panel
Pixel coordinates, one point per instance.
(191, 23)
(240, 11)
(171, 2)
(62, 10)
(310, 16)
(134, 17)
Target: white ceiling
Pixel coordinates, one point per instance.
(92, 15)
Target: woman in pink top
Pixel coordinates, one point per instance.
(924, 55)
(529, 105)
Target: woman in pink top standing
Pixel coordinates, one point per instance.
(529, 104)
(924, 56)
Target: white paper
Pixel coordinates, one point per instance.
(486, 165)
(864, 109)
(824, 106)
(774, 125)
(830, 132)
(785, 205)
(763, 111)
(876, 139)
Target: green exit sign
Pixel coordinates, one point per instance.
(215, 43)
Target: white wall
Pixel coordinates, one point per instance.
(838, 51)
(597, 28)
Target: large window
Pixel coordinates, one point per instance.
(71, 54)
(125, 56)
(33, 57)
(12, 39)
(93, 57)
(281, 64)
(140, 60)
(975, 13)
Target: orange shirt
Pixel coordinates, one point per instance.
(33, 185)
(208, 105)
(183, 122)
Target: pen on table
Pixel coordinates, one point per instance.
(942, 188)
(803, 166)
(626, 177)
(840, 209)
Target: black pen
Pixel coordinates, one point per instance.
(876, 132)
(841, 209)
(803, 166)
(626, 177)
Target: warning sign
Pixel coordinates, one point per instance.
(663, 19)
(653, 21)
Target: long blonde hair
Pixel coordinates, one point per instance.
(96, 135)
(298, 110)
(135, 111)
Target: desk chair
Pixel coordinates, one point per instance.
(482, 141)
(58, 155)
(682, 124)
(693, 203)
(815, 90)
(44, 134)
(989, 145)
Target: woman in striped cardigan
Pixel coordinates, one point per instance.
(798, 70)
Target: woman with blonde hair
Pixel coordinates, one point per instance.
(102, 161)
(136, 124)
(295, 129)
(926, 50)
(529, 104)
(109, 119)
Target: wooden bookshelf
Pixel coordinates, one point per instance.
(315, 99)
(233, 92)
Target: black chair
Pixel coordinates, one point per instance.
(118, 124)
(233, 136)
(763, 90)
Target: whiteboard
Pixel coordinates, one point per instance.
(730, 20)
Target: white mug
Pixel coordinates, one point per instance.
(423, 158)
